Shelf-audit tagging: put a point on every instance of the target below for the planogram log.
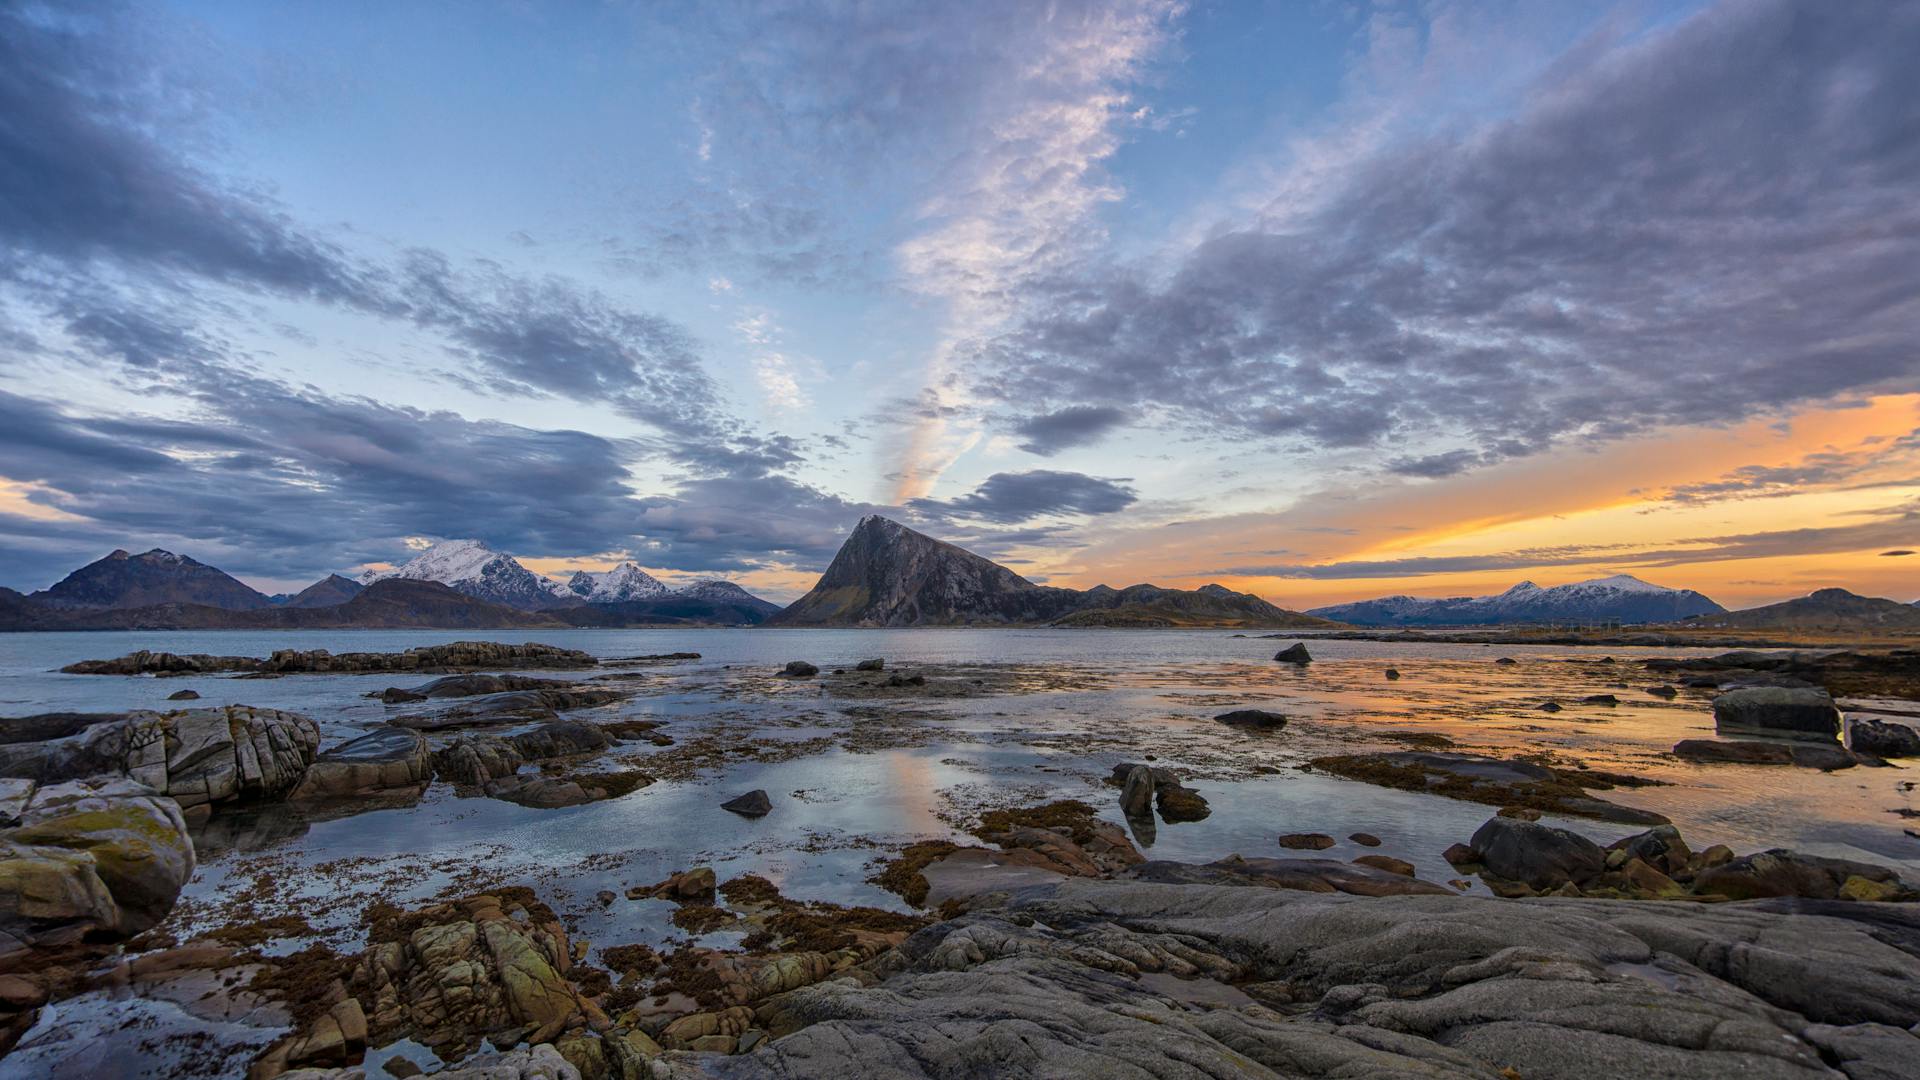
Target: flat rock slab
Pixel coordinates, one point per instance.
(1777, 713)
(1305, 875)
(975, 871)
(1072, 979)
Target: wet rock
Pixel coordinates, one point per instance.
(99, 859)
(471, 685)
(799, 669)
(1295, 653)
(1365, 839)
(1754, 752)
(1255, 718)
(1882, 738)
(1386, 862)
(195, 756)
(1540, 856)
(696, 885)
(1460, 855)
(453, 974)
(1661, 848)
(184, 695)
(1549, 706)
(906, 680)
(1492, 781)
(1506, 661)
(1780, 872)
(477, 759)
(876, 664)
(1777, 713)
(1392, 673)
(1136, 794)
(1303, 875)
(454, 656)
(543, 792)
(381, 760)
(753, 804)
(1666, 692)
(1306, 841)
(1600, 699)
(513, 707)
(1179, 804)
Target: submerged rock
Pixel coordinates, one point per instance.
(1302, 841)
(1295, 653)
(876, 664)
(1755, 752)
(1257, 718)
(184, 695)
(1778, 713)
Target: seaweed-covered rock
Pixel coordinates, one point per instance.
(1253, 718)
(102, 858)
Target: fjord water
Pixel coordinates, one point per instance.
(853, 778)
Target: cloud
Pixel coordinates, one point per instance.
(1884, 525)
(1076, 425)
(1697, 224)
(1011, 498)
(1895, 554)
(1821, 469)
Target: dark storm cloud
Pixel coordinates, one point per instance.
(1710, 222)
(1011, 498)
(283, 483)
(1076, 425)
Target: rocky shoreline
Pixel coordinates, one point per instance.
(1047, 940)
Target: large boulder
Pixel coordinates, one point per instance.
(1777, 712)
(100, 858)
(1882, 738)
(1295, 653)
(381, 760)
(197, 756)
(1541, 856)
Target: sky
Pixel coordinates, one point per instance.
(1320, 300)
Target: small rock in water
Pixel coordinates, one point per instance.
(1365, 839)
(1506, 660)
(1136, 796)
(1663, 692)
(1549, 706)
(1599, 699)
(1541, 856)
(1393, 673)
(1295, 653)
(1182, 804)
(1259, 718)
(1306, 841)
(799, 669)
(184, 695)
(876, 664)
(1388, 863)
(753, 804)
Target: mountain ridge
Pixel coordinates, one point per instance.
(886, 574)
(1617, 598)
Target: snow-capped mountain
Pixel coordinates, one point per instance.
(1622, 597)
(624, 582)
(473, 568)
(715, 589)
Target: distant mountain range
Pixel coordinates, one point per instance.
(1620, 598)
(886, 574)
(457, 584)
(1826, 609)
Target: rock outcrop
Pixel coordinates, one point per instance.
(99, 859)
(196, 756)
(455, 656)
(1882, 738)
(1776, 712)
(1091, 978)
(478, 759)
(385, 759)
